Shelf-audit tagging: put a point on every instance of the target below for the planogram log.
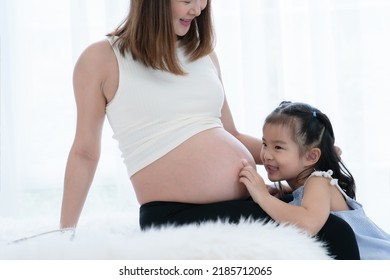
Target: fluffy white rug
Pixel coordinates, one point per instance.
(113, 239)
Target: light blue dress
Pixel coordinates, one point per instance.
(373, 242)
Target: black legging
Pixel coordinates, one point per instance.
(336, 232)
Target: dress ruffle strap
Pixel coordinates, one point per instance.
(326, 174)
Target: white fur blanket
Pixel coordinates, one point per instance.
(113, 239)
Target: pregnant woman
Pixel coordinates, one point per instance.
(157, 79)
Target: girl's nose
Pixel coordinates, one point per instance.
(266, 155)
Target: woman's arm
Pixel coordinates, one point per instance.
(88, 83)
(310, 216)
(253, 144)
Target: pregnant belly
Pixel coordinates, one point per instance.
(203, 169)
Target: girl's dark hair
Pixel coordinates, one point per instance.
(148, 34)
(312, 129)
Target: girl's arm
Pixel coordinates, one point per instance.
(310, 216)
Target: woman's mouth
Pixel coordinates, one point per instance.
(186, 22)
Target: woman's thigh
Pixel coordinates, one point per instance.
(336, 233)
(340, 239)
(162, 213)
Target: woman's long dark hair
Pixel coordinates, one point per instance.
(312, 129)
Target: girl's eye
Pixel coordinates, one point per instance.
(278, 148)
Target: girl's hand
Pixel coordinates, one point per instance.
(253, 182)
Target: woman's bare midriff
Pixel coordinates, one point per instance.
(203, 169)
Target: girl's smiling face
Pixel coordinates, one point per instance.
(184, 12)
(281, 155)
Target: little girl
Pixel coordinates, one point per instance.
(298, 147)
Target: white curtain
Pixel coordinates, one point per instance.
(330, 53)
(40, 43)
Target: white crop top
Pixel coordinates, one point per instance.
(155, 111)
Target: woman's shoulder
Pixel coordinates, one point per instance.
(214, 58)
(98, 51)
(97, 57)
(97, 66)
